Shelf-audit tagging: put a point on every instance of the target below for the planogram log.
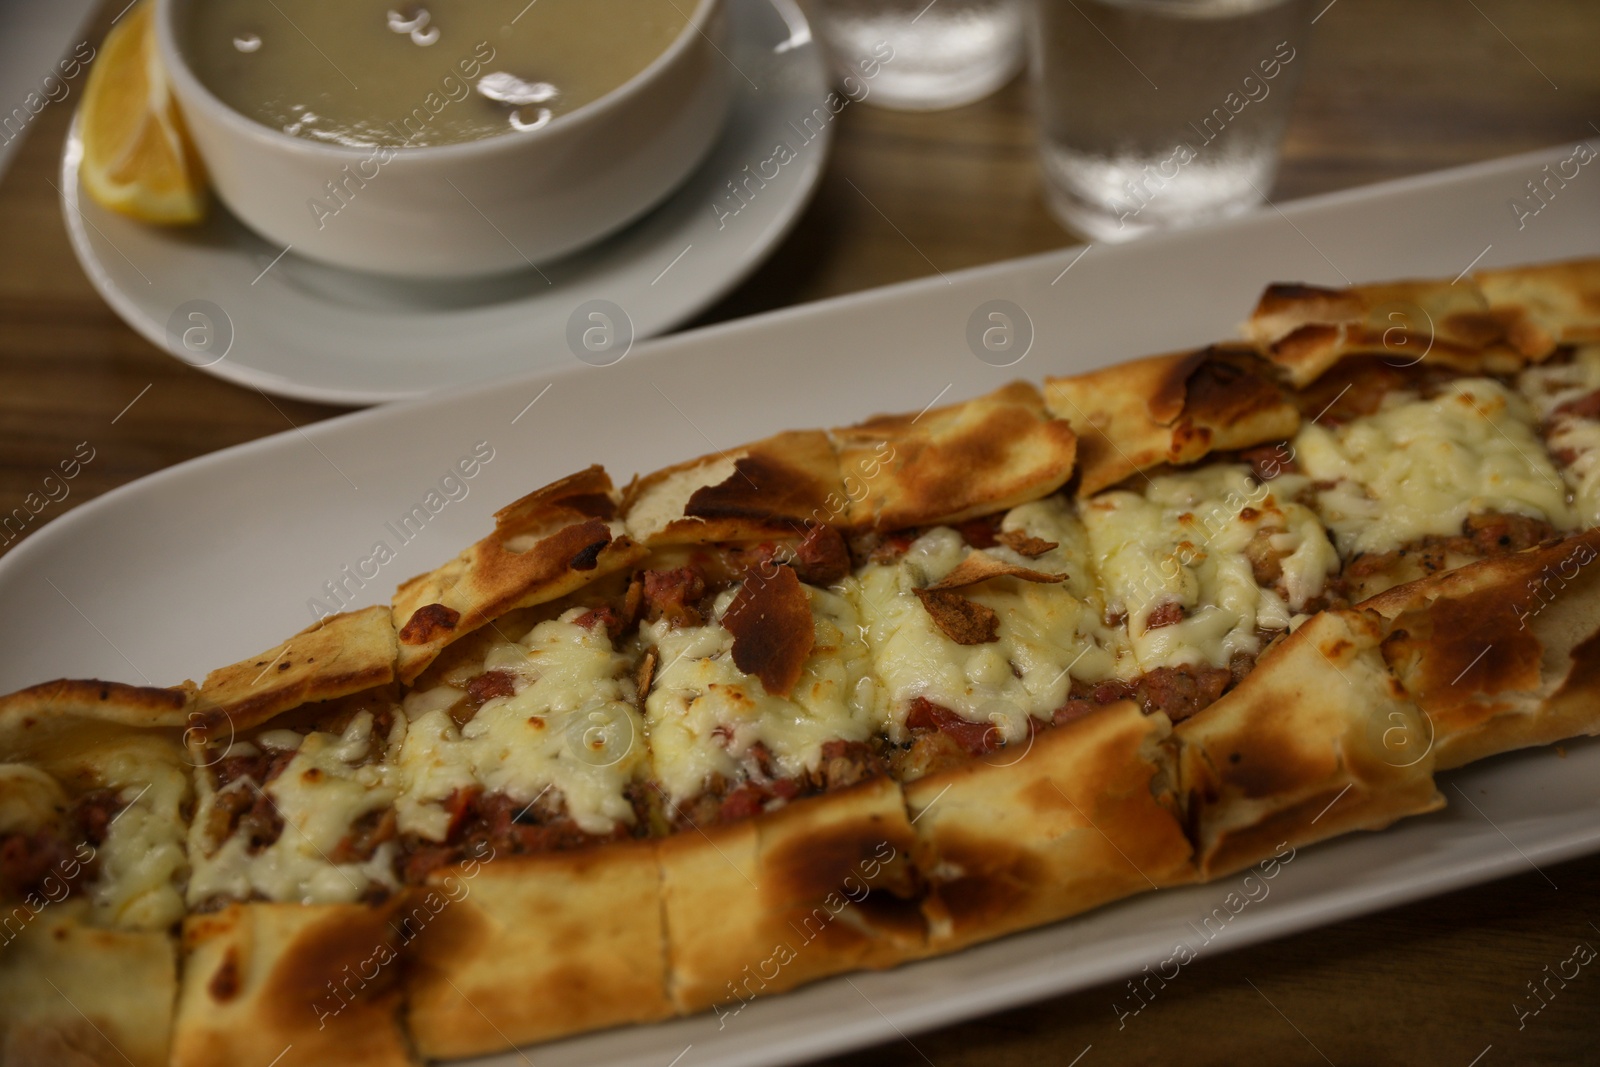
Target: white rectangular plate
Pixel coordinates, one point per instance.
(218, 558)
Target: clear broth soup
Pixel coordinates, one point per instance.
(376, 72)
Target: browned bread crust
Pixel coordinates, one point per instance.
(1501, 654)
(1494, 321)
(1172, 409)
(1320, 739)
(75, 994)
(821, 886)
(94, 700)
(1082, 816)
(952, 463)
(320, 981)
(544, 546)
(335, 657)
(525, 948)
(769, 489)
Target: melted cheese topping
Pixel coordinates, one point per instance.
(569, 730)
(1417, 467)
(705, 715)
(324, 789)
(30, 799)
(1182, 540)
(1049, 634)
(1547, 388)
(142, 858)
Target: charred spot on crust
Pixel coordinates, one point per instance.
(598, 536)
(1173, 392)
(1478, 645)
(1585, 674)
(838, 857)
(427, 623)
(1229, 387)
(963, 460)
(760, 488)
(1189, 439)
(226, 980)
(327, 951)
(523, 561)
(996, 878)
(1274, 764)
(584, 495)
(939, 471)
(773, 632)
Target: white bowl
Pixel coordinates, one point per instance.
(502, 203)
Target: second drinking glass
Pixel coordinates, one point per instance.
(1160, 113)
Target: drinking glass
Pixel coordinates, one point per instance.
(1161, 113)
(922, 55)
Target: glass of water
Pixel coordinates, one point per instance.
(922, 55)
(1162, 113)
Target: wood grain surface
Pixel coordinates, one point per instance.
(1392, 87)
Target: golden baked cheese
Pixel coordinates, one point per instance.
(142, 859)
(569, 731)
(326, 786)
(1179, 557)
(1419, 466)
(1048, 634)
(705, 716)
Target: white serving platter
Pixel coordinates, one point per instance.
(220, 557)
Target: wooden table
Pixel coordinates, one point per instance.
(1391, 88)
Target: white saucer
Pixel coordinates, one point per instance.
(215, 298)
